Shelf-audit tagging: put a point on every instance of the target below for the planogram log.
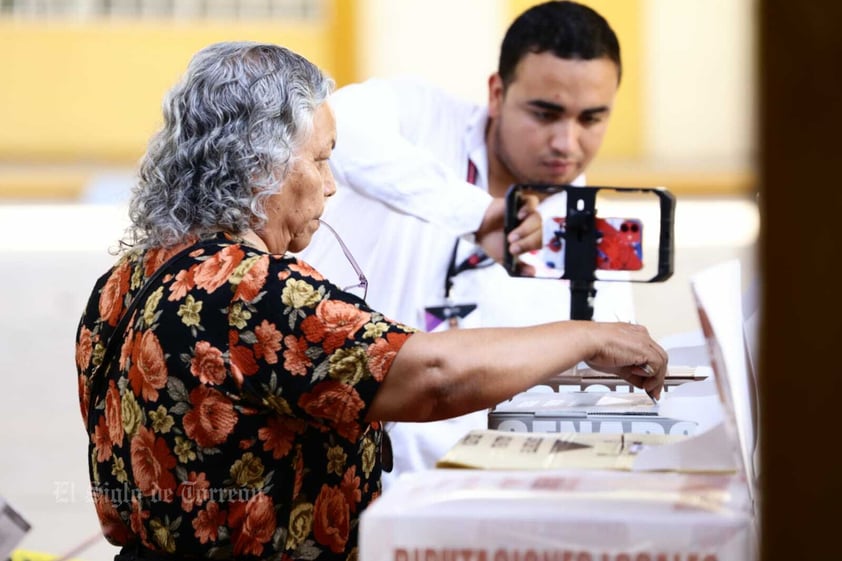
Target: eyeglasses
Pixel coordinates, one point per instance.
(363, 281)
(387, 459)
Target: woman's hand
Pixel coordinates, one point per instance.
(626, 350)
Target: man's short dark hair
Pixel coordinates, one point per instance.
(567, 29)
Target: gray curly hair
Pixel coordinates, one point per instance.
(232, 126)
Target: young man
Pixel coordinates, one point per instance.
(419, 171)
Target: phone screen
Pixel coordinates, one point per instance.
(619, 243)
(605, 224)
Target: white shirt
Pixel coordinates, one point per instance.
(402, 201)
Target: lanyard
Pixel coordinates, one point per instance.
(476, 259)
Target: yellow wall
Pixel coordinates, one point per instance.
(624, 138)
(92, 91)
(75, 97)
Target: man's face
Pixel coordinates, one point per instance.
(549, 124)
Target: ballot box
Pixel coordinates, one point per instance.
(584, 495)
(583, 378)
(560, 515)
(588, 411)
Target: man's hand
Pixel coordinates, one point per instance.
(526, 237)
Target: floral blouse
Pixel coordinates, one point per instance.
(232, 420)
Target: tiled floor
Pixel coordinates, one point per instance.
(49, 258)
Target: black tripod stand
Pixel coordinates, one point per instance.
(580, 252)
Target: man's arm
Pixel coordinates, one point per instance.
(378, 155)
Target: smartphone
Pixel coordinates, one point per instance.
(595, 233)
(619, 243)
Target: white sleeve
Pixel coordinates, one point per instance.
(376, 156)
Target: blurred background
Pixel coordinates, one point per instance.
(81, 83)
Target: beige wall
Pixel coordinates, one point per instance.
(699, 81)
(453, 43)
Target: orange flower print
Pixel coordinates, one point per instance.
(214, 272)
(296, 360)
(113, 527)
(207, 364)
(183, 283)
(351, 488)
(333, 322)
(382, 352)
(151, 465)
(126, 348)
(279, 434)
(111, 297)
(148, 373)
(138, 518)
(336, 402)
(299, 472)
(84, 396)
(306, 270)
(253, 526)
(84, 348)
(253, 280)
(193, 492)
(154, 259)
(113, 413)
(331, 523)
(207, 522)
(211, 419)
(242, 358)
(157, 257)
(268, 342)
(102, 440)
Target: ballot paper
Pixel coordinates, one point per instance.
(493, 449)
(583, 378)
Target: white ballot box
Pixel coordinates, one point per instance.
(583, 378)
(560, 515)
(588, 411)
(596, 496)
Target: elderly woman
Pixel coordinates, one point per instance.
(236, 410)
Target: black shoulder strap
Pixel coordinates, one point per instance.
(98, 375)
